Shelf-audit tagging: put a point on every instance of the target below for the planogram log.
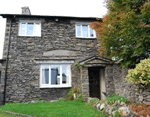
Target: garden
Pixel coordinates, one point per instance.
(64, 107)
(51, 109)
(74, 105)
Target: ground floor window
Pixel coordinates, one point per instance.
(55, 75)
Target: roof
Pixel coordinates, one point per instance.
(46, 16)
(96, 60)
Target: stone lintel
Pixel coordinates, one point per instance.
(60, 53)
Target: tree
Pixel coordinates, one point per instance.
(124, 32)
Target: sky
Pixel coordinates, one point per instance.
(79, 8)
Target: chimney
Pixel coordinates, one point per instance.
(26, 11)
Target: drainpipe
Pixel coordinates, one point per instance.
(7, 59)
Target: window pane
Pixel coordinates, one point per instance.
(30, 29)
(78, 30)
(23, 29)
(45, 76)
(85, 30)
(55, 74)
(37, 30)
(91, 32)
(65, 74)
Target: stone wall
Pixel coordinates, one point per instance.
(109, 80)
(108, 72)
(24, 71)
(85, 81)
(129, 90)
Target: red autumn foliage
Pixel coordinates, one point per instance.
(99, 26)
(142, 110)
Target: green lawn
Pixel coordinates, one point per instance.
(54, 109)
(2, 114)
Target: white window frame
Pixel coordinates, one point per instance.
(82, 33)
(51, 85)
(26, 22)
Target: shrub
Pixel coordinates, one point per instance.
(76, 91)
(140, 75)
(117, 114)
(142, 109)
(80, 98)
(115, 108)
(71, 93)
(102, 101)
(112, 98)
(93, 101)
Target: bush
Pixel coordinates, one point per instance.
(140, 75)
(112, 98)
(80, 98)
(141, 110)
(102, 101)
(93, 101)
(79, 95)
(71, 93)
(117, 114)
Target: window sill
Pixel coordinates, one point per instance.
(28, 36)
(56, 86)
(85, 37)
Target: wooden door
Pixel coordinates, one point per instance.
(94, 82)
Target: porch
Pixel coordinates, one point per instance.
(97, 77)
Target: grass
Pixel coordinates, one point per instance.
(2, 114)
(54, 109)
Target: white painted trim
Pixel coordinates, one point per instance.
(70, 75)
(54, 86)
(61, 75)
(29, 21)
(94, 33)
(49, 75)
(86, 37)
(88, 31)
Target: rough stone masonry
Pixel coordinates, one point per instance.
(24, 71)
(56, 36)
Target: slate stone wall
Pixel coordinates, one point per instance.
(127, 89)
(85, 81)
(109, 80)
(109, 83)
(24, 72)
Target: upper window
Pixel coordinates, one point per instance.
(55, 75)
(30, 28)
(85, 31)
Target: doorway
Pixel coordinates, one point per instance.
(96, 82)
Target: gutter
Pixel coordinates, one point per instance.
(49, 17)
(7, 59)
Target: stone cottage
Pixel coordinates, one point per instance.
(47, 55)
